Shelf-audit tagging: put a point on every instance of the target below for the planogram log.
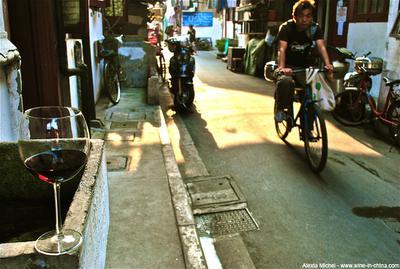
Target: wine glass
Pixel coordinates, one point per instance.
(54, 145)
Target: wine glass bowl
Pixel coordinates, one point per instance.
(54, 145)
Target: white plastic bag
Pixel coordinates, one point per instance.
(321, 91)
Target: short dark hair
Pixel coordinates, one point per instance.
(302, 5)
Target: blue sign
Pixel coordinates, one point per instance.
(199, 19)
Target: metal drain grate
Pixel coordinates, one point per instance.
(117, 163)
(227, 222)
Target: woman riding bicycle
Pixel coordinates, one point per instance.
(296, 37)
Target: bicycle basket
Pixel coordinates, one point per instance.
(371, 65)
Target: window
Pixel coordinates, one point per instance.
(116, 8)
(369, 10)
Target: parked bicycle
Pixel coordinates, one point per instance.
(111, 68)
(161, 65)
(154, 37)
(112, 72)
(351, 104)
(308, 120)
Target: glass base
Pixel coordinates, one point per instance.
(52, 244)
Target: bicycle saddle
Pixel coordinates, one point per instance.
(390, 82)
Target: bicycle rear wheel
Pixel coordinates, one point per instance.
(282, 128)
(161, 67)
(350, 108)
(315, 139)
(393, 115)
(111, 82)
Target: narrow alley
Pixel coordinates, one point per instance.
(347, 214)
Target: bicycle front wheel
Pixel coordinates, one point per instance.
(350, 108)
(282, 127)
(393, 115)
(315, 139)
(111, 82)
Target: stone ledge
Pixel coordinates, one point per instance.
(87, 214)
(194, 257)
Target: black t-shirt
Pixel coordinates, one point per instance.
(299, 43)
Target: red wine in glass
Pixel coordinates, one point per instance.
(54, 144)
(55, 166)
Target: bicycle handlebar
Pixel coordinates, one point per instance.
(301, 70)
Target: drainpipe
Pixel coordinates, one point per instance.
(10, 62)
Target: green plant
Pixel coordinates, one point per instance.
(220, 45)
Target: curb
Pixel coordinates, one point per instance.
(191, 248)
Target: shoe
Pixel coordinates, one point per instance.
(280, 116)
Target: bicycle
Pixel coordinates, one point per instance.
(351, 107)
(310, 124)
(153, 36)
(161, 65)
(112, 72)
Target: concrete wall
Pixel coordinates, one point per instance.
(365, 37)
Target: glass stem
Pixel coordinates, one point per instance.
(56, 187)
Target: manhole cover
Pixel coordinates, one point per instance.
(228, 222)
(115, 163)
(124, 125)
(392, 224)
(141, 115)
(118, 116)
(213, 194)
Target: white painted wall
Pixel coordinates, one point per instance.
(229, 29)
(365, 37)
(392, 50)
(393, 44)
(95, 33)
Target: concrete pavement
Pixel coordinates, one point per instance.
(151, 222)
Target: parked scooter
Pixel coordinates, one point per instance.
(351, 103)
(181, 69)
